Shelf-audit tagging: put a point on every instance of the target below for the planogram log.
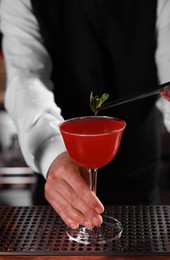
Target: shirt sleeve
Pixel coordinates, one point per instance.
(29, 98)
(162, 55)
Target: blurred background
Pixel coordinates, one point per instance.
(19, 185)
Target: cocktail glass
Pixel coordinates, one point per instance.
(92, 142)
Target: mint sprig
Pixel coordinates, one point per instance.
(96, 101)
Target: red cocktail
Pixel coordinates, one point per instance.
(92, 142)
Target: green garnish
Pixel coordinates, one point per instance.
(96, 102)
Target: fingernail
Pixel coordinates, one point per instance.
(88, 224)
(96, 221)
(73, 225)
(99, 210)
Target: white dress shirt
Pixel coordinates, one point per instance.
(29, 99)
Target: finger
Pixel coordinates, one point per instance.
(165, 95)
(71, 216)
(83, 190)
(78, 203)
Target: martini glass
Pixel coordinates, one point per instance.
(92, 142)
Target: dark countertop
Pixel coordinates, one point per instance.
(37, 232)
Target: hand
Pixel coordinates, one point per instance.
(166, 95)
(70, 195)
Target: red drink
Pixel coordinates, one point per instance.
(92, 142)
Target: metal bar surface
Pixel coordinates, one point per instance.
(39, 231)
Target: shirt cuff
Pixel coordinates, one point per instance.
(48, 152)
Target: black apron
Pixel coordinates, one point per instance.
(109, 46)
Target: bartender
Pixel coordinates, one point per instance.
(56, 53)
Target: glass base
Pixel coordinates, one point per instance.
(111, 229)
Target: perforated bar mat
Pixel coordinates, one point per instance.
(38, 230)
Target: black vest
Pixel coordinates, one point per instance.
(105, 46)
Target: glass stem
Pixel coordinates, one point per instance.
(93, 180)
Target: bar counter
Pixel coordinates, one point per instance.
(37, 232)
(85, 258)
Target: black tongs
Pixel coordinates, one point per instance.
(161, 88)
